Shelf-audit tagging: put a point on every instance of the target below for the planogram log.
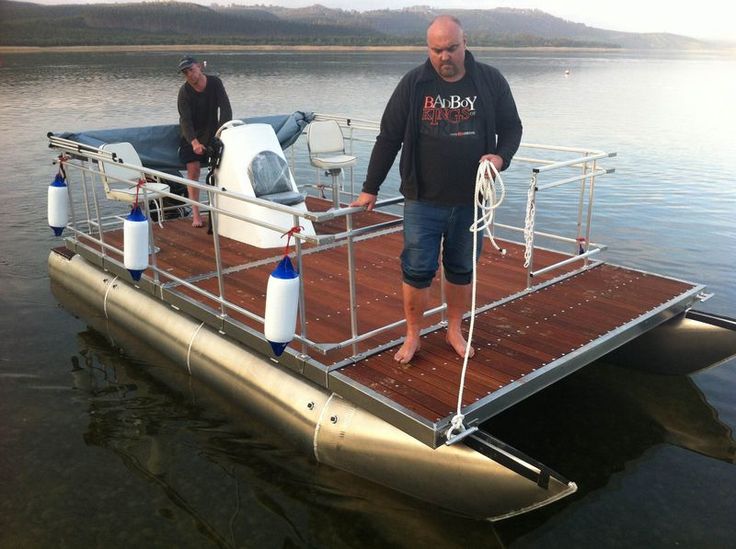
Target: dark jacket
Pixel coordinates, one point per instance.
(198, 111)
(400, 123)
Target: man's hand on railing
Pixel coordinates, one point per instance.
(366, 200)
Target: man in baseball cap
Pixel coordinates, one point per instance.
(203, 107)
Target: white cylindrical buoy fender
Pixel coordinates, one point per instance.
(58, 204)
(135, 242)
(282, 303)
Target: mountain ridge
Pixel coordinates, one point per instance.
(169, 22)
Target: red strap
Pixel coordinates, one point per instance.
(63, 158)
(141, 182)
(288, 234)
(582, 242)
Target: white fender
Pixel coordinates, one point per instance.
(282, 303)
(135, 243)
(58, 205)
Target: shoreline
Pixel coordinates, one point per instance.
(197, 47)
(208, 48)
(264, 47)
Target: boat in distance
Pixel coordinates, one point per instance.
(542, 311)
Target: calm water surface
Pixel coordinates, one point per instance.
(100, 449)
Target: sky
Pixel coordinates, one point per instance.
(707, 19)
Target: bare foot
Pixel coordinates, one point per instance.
(407, 350)
(197, 221)
(458, 342)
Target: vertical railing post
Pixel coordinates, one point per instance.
(151, 241)
(351, 282)
(100, 230)
(302, 297)
(218, 258)
(591, 197)
(581, 203)
(85, 197)
(352, 168)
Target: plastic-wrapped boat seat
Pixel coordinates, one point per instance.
(269, 174)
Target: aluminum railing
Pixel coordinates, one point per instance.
(586, 163)
(88, 229)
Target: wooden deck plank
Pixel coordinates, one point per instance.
(503, 333)
(449, 366)
(436, 371)
(423, 404)
(407, 374)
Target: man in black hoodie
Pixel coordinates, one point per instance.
(446, 116)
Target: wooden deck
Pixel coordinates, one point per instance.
(524, 342)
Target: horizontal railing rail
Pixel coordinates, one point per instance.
(586, 162)
(90, 223)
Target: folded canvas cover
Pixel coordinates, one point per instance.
(158, 146)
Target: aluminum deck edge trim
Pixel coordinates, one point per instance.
(564, 366)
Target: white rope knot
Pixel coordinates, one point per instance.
(456, 424)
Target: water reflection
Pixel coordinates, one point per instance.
(601, 420)
(214, 470)
(226, 477)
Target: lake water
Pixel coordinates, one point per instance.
(101, 449)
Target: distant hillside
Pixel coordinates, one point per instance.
(28, 24)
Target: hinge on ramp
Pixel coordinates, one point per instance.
(511, 458)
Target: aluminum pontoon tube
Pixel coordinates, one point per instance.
(336, 432)
(682, 346)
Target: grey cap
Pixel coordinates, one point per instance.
(186, 62)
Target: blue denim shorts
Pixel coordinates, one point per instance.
(426, 225)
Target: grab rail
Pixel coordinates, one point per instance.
(89, 231)
(589, 171)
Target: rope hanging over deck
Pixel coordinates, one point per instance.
(488, 184)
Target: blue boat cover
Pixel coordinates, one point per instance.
(158, 146)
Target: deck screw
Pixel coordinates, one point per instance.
(333, 419)
(310, 405)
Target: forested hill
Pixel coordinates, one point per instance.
(28, 24)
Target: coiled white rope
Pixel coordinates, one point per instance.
(488, 184)
(529, 225)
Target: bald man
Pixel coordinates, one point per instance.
(446, 116)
